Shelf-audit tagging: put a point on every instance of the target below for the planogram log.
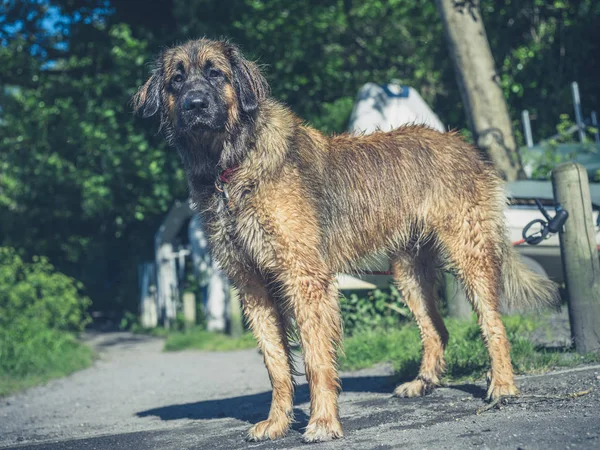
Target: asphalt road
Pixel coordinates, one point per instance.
(137, 397)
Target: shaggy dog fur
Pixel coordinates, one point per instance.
(286, 208)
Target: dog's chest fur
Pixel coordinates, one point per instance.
(235, 227)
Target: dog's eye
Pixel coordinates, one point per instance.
(178, 78)
(214, 73)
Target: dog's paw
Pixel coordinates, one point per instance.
(414, 388)
(268, 429)
(322, 430)
(496, 389)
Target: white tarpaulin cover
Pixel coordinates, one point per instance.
(389, 106)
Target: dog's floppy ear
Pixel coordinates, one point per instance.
(147, 99)
(250, 85)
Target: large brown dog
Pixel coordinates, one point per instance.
(286, 208)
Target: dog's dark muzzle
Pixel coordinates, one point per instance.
(196, 101)
(201, 107)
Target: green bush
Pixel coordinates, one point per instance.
(466, 354)
(378, 309)
(560, 149)
(41, 311)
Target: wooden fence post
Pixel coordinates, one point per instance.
(236, 325)
(148, 308)
(189, 310)
(456, 298)
(579, 254)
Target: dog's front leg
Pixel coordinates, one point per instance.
(268, 329)
(316, 308)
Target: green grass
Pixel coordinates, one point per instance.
(158, 331)
(199, 339)
(466, 355)
(71, 358)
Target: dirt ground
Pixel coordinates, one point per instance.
(138, 397)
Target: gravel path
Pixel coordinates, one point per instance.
(136, 396)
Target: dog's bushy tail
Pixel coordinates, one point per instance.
(523, 288)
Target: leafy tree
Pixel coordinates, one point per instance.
(319, 53)
(540, 47)
(83, 181)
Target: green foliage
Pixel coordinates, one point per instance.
(85, 183)
(561, 148)
(377, 309)
(65, 356)
(37, 292)
(319, 53)
(540, 47)
(75, 158)
(129, 321)
(41, 311)
(466, 355)
(200, 339)
(400, 346)
(335, 115)
(135, 327)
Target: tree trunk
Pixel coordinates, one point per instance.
(479, 85)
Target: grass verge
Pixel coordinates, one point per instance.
(199, 339)
(466, 355)
(73, 356)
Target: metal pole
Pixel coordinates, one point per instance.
(577, 106)
(527, 128)
(595, 125)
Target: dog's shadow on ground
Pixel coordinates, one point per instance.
(468, 388)
(255, 407)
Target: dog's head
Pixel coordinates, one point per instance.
(202, 86)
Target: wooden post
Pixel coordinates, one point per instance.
(166, 279)
(456, 298)
(579, 255)
(148, 309)
(236, 326)
(189, 310)
(166, 267)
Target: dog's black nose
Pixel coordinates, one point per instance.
(196, 100)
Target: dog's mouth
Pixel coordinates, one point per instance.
(193, 123)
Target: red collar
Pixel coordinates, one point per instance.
(226, 176)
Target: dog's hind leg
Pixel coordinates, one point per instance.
(471, 244)
(268, 328)
(415, 275)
